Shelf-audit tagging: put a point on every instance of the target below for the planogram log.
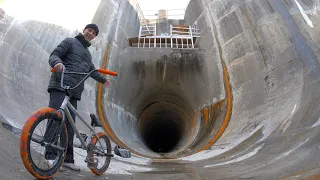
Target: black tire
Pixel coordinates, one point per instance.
(31, 133)
(102, 161)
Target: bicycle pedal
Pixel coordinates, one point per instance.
(122, 152)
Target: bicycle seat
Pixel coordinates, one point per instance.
(94, 121)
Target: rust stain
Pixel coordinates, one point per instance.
(193, 126)
(313, 177)
(100, 107)
(304, 173)
(211, 114)
(228, 113)
(205, 115)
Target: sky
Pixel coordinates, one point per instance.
(163, 4)
(174, 7)
(70, 13)
(53, 11)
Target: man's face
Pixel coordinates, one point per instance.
(89, 34)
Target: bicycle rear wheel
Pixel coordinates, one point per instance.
(40, 135)
(98, 147)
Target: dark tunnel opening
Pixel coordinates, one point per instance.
(162, 129)
(162, 135)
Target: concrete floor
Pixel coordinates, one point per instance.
(247, 99)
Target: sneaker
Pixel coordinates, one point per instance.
(71, 166)
(49, 163)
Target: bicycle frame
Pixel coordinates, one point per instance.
(65, 106)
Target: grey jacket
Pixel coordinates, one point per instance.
(73, 53)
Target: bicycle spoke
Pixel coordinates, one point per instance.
(39, 138)
(41, 130)
(101, 159)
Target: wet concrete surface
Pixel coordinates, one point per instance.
(266, 52)
(12, 168)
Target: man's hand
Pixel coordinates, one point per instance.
(58, 67)
(107, 84)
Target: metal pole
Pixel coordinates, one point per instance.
(155, 34)
(139, 36)
(182, 42)
(191, 37)
(177, 42)
(187, 43)
(171, 36)
(166, 42)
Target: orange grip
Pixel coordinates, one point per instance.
(52, 70)
(112, 73)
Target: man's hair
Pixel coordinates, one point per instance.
(94, 27)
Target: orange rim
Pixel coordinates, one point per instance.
(94, 141)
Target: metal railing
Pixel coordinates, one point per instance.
(180, 37)
(147, 30)
(142, 19)
(156, 15)
(136, 6)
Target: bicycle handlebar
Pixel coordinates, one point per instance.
(103, 71)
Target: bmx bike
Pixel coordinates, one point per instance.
(46, 129)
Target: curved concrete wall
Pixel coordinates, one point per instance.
(271, 52)
(149, 76)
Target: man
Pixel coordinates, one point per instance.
(73, 55)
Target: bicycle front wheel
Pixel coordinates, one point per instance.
(43, 143)
(99, 146)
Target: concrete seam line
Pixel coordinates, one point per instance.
(99, 103)
(228, 113)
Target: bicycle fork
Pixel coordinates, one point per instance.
(56, 134)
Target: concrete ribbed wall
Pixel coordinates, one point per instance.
(271, 52)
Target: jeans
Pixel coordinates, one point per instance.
(56, 99)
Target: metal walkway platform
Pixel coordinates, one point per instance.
(180, 37)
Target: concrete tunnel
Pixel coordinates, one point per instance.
(242, 104)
